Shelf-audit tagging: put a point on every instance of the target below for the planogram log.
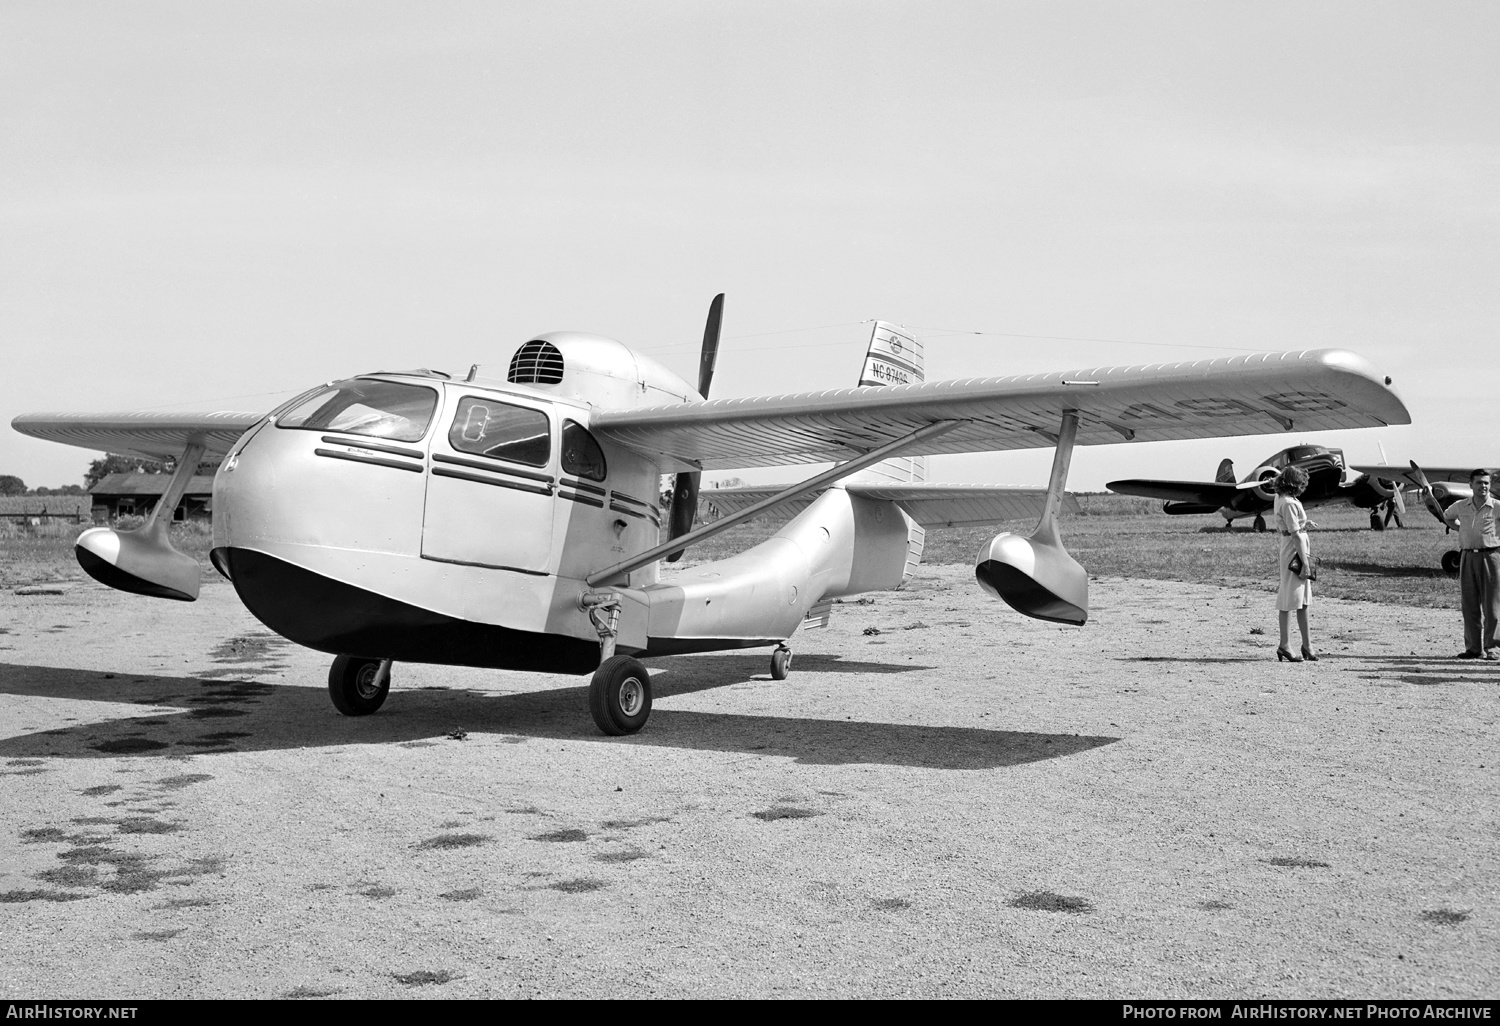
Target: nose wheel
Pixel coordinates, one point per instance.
(781, 663)
(358, 685)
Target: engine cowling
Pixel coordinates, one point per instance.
(1263, 478)
(1034, 575)
(141, 561)
(1367, 491)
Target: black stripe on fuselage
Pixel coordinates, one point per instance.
(331, 616)
(354, 457)
(493, 468)
(582, 486)
(415, 454)
(497, 482)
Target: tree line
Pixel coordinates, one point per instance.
(110, 463)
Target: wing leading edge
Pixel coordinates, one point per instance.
(156, 436)
(1315, 390)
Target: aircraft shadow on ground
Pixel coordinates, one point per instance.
(211, 716)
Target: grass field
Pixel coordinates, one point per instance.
(1115, 536)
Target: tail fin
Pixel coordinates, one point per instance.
(895, 357)
(1226, 471)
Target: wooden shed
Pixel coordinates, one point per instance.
(123, 495)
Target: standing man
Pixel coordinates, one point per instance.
(1479, 569)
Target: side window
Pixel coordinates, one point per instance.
(581, 455)
(488, 427)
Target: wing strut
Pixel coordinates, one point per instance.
(1034, 574)
(143, 560)
(844, 469)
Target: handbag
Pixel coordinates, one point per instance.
(1295, 566)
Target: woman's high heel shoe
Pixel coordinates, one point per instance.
(1285, 656)
(1307, 653)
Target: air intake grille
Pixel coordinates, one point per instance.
(536, 363)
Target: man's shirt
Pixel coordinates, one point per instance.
(1476, 527)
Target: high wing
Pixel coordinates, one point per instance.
(1408, 477)
(1315, 390)
(1208, 493)
(931, 505)
(157, 436)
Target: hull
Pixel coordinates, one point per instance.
(331, 616)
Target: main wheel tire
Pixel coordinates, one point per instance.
(620, 696)
(781, 663)
(1452, 560)
(1376, 524)
(1260, 523)
(354, 685)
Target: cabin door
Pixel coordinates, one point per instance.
(490, 485)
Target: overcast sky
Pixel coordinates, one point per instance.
(213, 206)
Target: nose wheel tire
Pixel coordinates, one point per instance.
(1451, 561)
(357, 686)
(620, 696)
(1260, 523)
(781, 663)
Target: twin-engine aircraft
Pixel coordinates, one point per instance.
(1374, 487)
(509, 519)
(1253, 497)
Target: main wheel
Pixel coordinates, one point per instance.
(1260, 523)
(1376, 524)
(781, 663)
(1451, 561)
(620, 695)
(355, 686)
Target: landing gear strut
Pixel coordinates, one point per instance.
(358, 684)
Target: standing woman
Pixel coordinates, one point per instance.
(1296, 588)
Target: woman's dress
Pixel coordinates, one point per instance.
(1291, 521)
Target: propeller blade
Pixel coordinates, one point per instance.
(1428, 499)
(710, 354)
(1421, 477)
(1400, 499)
(685, 488)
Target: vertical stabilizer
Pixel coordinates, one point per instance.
(895, 357)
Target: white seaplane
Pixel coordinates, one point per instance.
(509, 519)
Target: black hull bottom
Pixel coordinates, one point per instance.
(330, 616)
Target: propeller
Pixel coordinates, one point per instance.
(685, 488)
(1428, 499)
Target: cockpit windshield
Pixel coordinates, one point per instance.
(365, 406)
(1305, 452)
